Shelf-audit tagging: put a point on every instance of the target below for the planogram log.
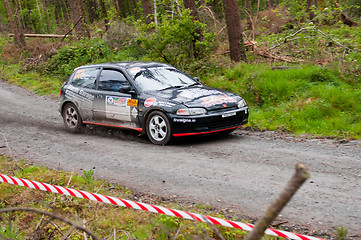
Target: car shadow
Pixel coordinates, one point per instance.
(135, 136)
(205, 139)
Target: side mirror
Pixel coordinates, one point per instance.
(196, 78)
(125, 89)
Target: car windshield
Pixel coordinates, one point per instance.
(161, 78)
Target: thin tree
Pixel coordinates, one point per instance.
(148, 11)
(19, 38)
(104, 14)
(235, 37)
(78, 17)
(90, 7)
(247, 5)
(310, 4)
(45, 8)
(190, 4)
(270, 4)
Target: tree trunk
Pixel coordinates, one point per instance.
(46, 16)
(90, 7)
(22, 17)
(40, 16)
(123, 8)
(18, 23)
(134, 8)
(270, 4)
(78, 17)
(310, 3)
(148, 11)
(235, 37)
(19, 38)
(247, 5)
(12, 21)
(190, 4)
(104, 14)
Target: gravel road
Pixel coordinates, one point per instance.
(242, 172)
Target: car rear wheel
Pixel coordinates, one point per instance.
(158, 128)
(72, 118)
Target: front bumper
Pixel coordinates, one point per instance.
(212, 122)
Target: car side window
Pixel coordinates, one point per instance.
(85, 77)
(111, 80)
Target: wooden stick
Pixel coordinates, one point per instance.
(281, 200)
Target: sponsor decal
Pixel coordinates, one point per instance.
(132, 102)
(135, 70)
(134, 112)
(110, 100)
(198, 92)
(116, 101)
(164, 104)
(80, 92)
(217, 100)
(149, 102)
(184, 120)
(153, 102)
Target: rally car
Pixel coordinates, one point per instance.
(153, 98)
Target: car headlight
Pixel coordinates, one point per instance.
(241, 103)
(191, 111)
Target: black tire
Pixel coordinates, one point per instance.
(72, 118)
(158, 128)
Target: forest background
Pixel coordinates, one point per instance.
(297, 64)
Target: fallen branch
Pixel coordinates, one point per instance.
(40, 35)
(286, 39)
(77, 22)
(281, 200)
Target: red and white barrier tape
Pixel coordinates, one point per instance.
(147, 207)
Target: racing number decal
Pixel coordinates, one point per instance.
(79, 73)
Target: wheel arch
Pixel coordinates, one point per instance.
(65, 103)
(144, 121)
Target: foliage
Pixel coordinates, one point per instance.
(175, 39)
(341, 233)
(8, 231)
(120, 34)
(83, 52)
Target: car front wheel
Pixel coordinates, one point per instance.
(72, 118)
(158, 128)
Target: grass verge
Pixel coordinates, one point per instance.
(105, 220)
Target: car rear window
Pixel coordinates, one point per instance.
(85, 77)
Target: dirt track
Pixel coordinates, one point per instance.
(242, 172)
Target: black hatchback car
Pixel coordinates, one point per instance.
(155, 99)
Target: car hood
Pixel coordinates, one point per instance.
(199, 96)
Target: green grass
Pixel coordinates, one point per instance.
(42, 84)
(305, 99)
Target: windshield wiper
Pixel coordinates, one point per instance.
(194, 84)
(170, 87)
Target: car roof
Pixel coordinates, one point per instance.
(128, 65)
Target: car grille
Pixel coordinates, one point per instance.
(219, 110)
(219, 123)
